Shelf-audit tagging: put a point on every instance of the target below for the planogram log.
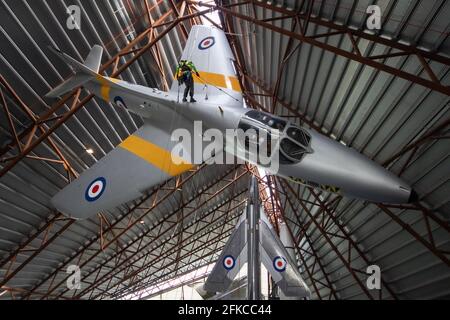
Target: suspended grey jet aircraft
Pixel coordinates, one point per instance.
(145, 158)
(254, 241)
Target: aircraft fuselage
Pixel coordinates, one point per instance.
(305, 156)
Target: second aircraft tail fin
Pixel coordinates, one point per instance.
(274, 256)
(279, 263)
(230, 261)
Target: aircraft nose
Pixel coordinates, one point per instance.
(413, 196)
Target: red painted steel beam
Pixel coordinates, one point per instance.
(409, 49)
(30, 239)
(192, 238)
(346, 263)
(424, 138)
(433, 85)
(214, 240)
(108, 275)
(129, 224)
(58, 105)
(121, 292)
(351, 241)
(225, 231)
(178, 14)
(308, 240)
(63, 118)
(428, 244)
(36, 252)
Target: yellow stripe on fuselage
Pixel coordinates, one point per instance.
(155, 155)
(105, 86)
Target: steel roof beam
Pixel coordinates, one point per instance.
(130, 223)
(345, 262)
(178, 14)
(409, 49)
(289, 51)
(426, 213)
(41, 230)
(429, 244)
(300, 254)
(61, 119)
(121, 292)
(221, 237)
(36, 251)
(215, 240)
(108, 274)
(355, 54)
(37, 126)
(432, 134)
(331, 215)
(192, 239)
(57, 106)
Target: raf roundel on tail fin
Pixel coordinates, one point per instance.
(279, 264)
(206, 43)
(228, 262)
(209, 51)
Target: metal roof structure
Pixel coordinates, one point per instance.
(383, 92)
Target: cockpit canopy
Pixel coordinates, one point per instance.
(294, 140)
(265, 119)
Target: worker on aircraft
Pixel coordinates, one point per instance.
(184, 76)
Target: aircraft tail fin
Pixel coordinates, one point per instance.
(209, 50)
(232, 258)
(274, 256)
(279, 263)
(94, 58)
(83, 72)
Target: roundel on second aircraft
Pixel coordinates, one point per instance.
(228, 262)
(279, 263)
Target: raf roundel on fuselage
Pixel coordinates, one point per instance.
(119, 101)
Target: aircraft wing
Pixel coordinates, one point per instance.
(141, 161)
(233, 256)
(277, 261)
